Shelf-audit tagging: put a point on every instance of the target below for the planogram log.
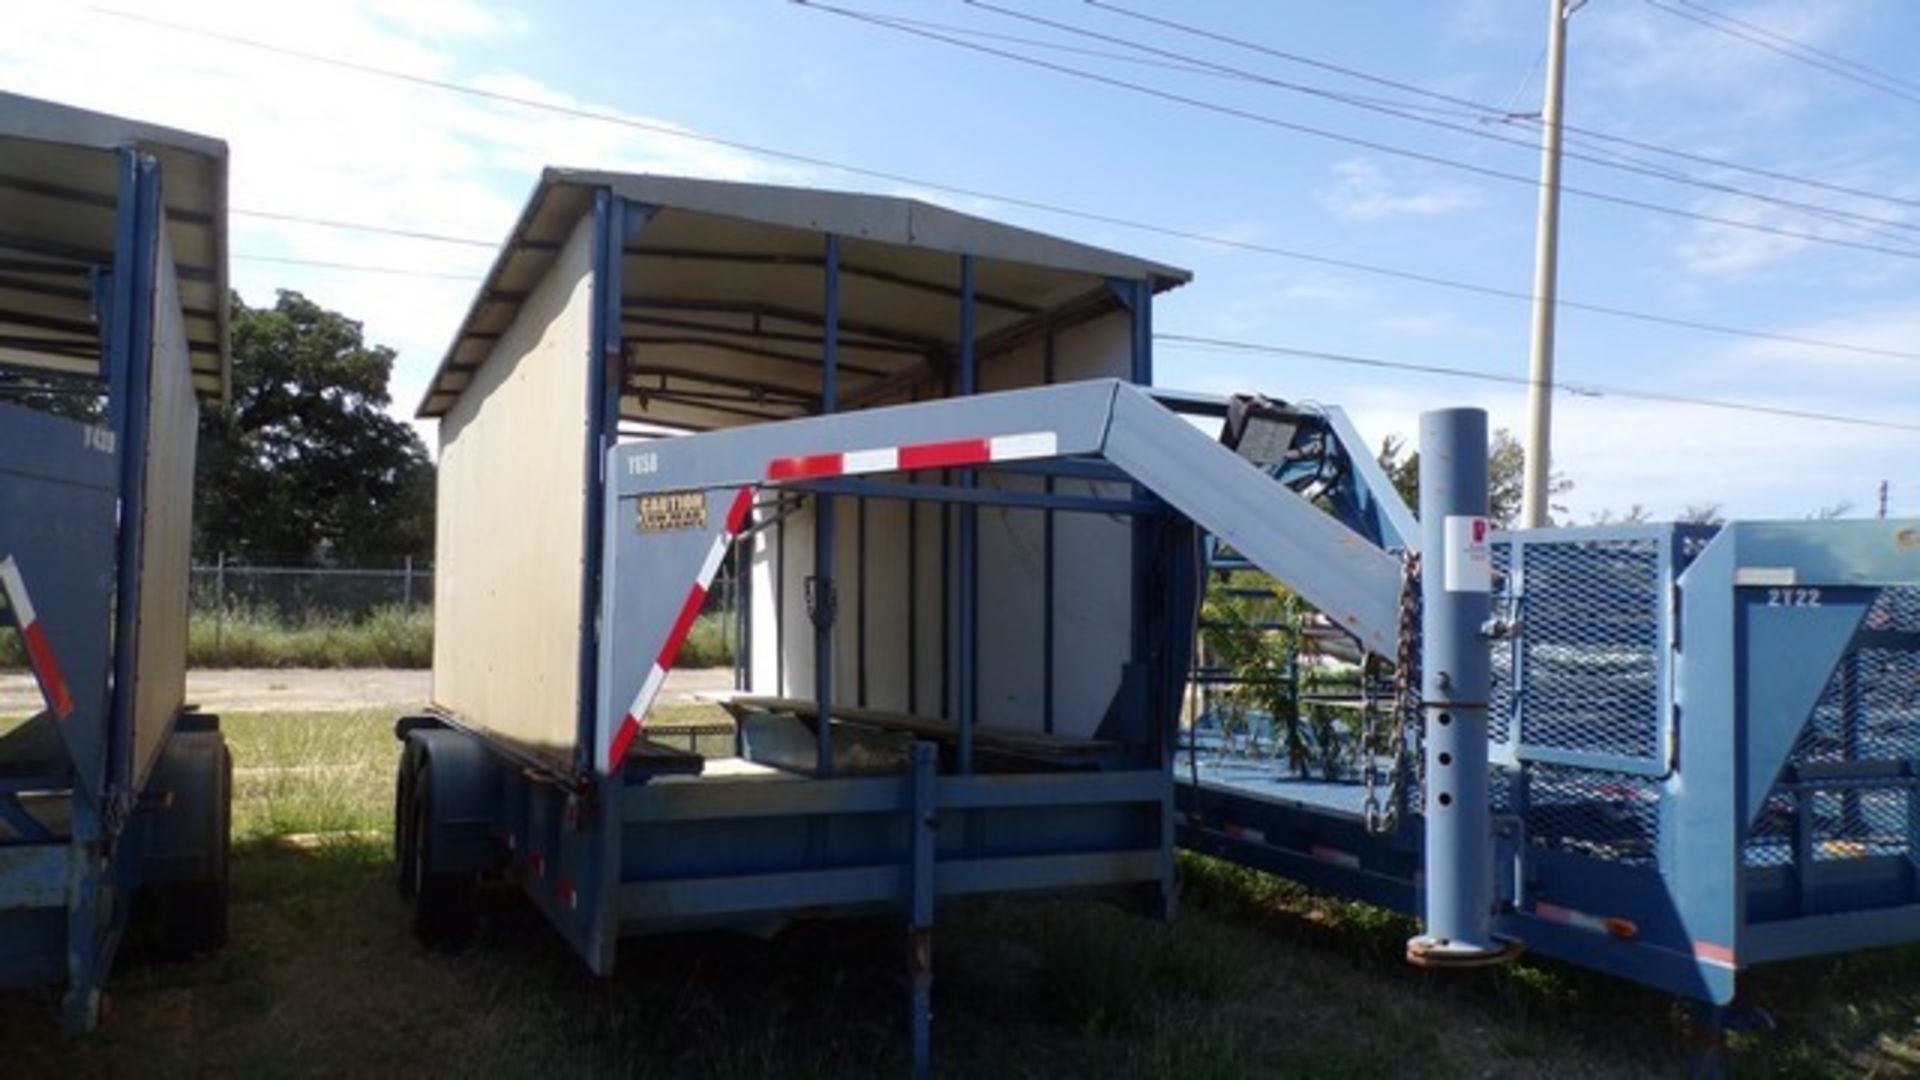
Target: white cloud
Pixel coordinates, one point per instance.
(1634, 47)
(1621, 451)
(1365, 193)
(1842, 379)
(1715, 250)
(318, 141)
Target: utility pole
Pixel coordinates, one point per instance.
(1883, 500)
(1533, 499)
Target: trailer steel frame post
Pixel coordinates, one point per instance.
(967, 698)
(923, 838)
(1456, 681)
(821, 599)
(99, 814)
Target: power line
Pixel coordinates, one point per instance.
(1375, 145)
(1593, 390)
(1493, 112)
(1256, 248)
(359, 268)
(1788, 47)
(1399, 111)
(1040, 206)
(355, 226)
(1227, 345)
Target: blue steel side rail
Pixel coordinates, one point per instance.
(679, 876)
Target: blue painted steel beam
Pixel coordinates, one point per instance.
(1390, 523)
(824, 602)
(1063, 468)
(955, 495)
(1048, 555)
(606, 364)
(968, 550)
(136, 241)
(924, 839)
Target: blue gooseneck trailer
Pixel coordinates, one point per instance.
(1666, 752)
(923, 449)
(971, 542)
(113, 796)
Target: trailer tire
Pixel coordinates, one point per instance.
(193, 914)
(403, 812)
(444, 914)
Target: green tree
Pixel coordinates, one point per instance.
(1506, 477)
(1702, 513)
(306, 463)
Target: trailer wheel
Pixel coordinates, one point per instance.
(193, 913)
(443, 903)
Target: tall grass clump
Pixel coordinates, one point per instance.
(388, 637)
(708, 644)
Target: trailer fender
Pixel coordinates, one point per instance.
(465, 795)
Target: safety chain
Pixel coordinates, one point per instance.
(1383, 816)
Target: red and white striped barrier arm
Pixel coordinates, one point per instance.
(952, 454)
(53, 686)
(955, 453)
(689, 610)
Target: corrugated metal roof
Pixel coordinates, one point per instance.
(59, 177)
(765, 231)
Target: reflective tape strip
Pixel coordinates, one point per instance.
(806, 467)
(1034, 444)
(1610, 925)
(1709, 953)
(630, 724)
(952, 453)
(885, 459)
(945, 455)
(17, 597)
(1335, 856)
(46, 670)
(1570, 917)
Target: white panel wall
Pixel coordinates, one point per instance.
(1092, 585)
(166, 538)
(1013, 578)
(512, 490)
(885, 601)
(1093, 564)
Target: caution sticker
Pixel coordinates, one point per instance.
(670, 510)
(1469, 557)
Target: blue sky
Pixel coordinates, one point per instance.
(320, 141)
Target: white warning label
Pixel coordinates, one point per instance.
(1469, 558)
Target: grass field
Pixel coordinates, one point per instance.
(1256, 978)
(390, 637)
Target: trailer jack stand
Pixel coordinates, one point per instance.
(1434, 952)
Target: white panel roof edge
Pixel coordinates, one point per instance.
(39, 120)
(886, 219)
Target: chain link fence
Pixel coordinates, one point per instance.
(301, 594)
